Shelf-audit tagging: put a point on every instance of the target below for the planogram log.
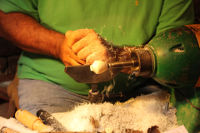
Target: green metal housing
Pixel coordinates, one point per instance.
(177, 58)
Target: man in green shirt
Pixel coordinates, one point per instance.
(54, 34)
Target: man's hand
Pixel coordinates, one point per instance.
(82, 46)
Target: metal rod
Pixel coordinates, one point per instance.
(123, 64)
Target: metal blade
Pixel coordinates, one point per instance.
(83, 74)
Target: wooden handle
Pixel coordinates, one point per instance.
(31, 121)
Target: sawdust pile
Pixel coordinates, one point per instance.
(140, 114)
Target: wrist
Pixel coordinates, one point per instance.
(59, 41)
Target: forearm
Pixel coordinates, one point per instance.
(29, 35)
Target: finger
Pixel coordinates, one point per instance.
(72, 55)
(97, 56)
(66, 51)
(92, 47)
(74, 36)
(84, 42)
(70, 61)
(68, 33)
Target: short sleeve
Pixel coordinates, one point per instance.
(28, 7)
(175, 13)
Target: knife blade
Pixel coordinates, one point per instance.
(83, 73)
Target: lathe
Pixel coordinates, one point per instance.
(171, 58)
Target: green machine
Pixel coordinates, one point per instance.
(177, 58)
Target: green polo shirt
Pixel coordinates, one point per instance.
(122, 22)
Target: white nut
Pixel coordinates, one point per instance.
(98, 67)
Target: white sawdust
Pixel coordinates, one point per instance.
(140, 114)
